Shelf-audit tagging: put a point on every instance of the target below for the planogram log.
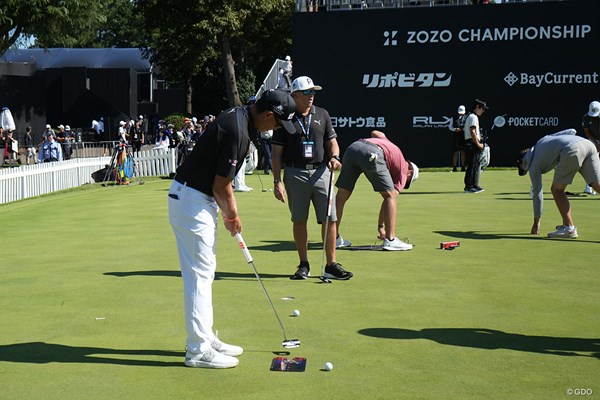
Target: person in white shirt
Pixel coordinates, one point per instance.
(473, 147)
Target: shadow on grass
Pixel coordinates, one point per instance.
(44, 353)
(487, 236)
(489, 339)
(277, 245)
(177, 274)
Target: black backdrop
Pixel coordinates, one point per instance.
(405, 71)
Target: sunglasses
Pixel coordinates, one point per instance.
(308, 92)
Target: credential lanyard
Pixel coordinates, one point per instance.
(306, 130)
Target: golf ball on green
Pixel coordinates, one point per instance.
(296, 313)
(328, 366)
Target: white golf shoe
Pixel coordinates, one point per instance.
(340, 242)
(227, 349)
(396, 245)
(564, 232)
(210, 359)
(589, 190)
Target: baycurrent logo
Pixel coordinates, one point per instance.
(551, 78)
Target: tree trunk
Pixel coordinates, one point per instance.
(229, 72)
(7, 39)
(188, 96)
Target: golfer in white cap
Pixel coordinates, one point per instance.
(591, 128)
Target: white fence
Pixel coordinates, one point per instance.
(35, 180)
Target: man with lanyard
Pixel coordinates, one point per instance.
(309, 155)
(50, 150)
(201, 188)
(591, 127)
(473, 147)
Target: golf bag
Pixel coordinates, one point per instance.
(484, 156)
(121, 168)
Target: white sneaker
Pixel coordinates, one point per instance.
(563, 232)
(589, 190)
(340, 242)
(243, 189)
(227, 349)
(396, 245)
(210, 359)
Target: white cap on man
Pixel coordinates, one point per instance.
(461, 109)
(304, 83)
(594, 109)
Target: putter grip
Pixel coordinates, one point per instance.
(240, 240)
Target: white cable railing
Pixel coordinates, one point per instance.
(35, 180)
(272, 79)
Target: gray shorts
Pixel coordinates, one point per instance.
(368, 158)
(580, 156)
(306, 186)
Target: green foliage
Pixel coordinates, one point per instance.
(56, 22)
(181, 38)
(176, 120)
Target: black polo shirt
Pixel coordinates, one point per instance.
(219, 151)
(593, 124)
(318, 131)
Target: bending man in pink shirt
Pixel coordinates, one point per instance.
(384, 165)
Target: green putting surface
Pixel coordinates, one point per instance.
(91, 302)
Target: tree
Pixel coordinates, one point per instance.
(61, 21)
(185, 38)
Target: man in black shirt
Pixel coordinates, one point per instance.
(591, 128)
(202, 186)
(310, 153)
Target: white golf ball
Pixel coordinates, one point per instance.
(328, 366)
(296, 313)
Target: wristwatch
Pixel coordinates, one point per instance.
(276, 181)
(336, 157)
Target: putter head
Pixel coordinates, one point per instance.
(324, 280)
(291, 343)
(265, 190)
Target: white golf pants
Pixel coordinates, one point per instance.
(239, 182)
(193, 217)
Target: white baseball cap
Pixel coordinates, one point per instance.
(594, 109)
(304, 83)
(415, 175)
(461, 109)
(48, 126)
(67, 128)
(121, 123)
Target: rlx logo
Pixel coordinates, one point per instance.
(427, 121)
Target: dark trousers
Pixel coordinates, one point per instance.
(472, 164)
(266, 147)
(137, 145)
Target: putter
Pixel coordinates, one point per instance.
(329, 204)
(261, 183)
(287, 343)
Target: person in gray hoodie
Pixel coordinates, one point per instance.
(567, 154)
